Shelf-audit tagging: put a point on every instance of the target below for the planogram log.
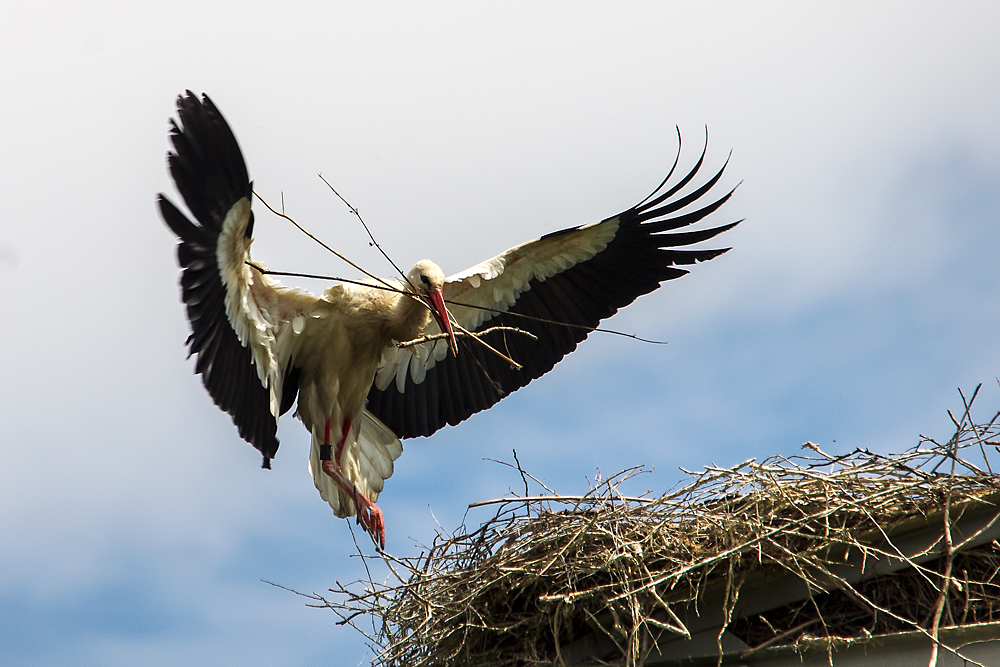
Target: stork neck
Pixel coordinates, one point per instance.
(409, 316)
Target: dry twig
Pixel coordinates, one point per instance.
(440, 336)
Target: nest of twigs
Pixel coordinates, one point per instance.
(636, 573)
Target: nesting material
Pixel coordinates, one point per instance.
(542, 573)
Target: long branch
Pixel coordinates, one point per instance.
(462, 334)
(282, 214)
(558, 499)
(495, 311)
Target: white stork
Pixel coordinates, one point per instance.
(259, 345)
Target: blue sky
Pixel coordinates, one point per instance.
(860, 292)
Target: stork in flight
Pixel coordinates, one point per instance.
(259, 345)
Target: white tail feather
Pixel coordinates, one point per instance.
(366, 460)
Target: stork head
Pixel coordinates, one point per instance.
(428, 279)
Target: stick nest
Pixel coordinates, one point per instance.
(540, 574)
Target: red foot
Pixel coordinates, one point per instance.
(369, 516)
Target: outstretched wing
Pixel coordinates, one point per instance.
(558, 287)
(238, 316)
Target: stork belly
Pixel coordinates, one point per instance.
(335, 378)
(334, 398)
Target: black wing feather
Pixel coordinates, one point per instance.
(211, 175)
(635, 262)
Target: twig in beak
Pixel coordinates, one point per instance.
(513, 364)
(432, 337)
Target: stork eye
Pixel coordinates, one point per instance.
(425, 280)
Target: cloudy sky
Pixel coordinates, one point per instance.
(860, 294)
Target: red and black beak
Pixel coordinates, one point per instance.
(440, 313)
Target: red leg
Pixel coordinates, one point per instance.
(343, 438)
(369, 516)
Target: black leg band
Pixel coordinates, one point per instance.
(326, 452)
